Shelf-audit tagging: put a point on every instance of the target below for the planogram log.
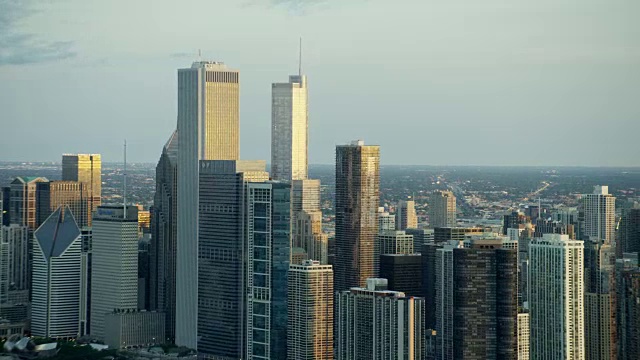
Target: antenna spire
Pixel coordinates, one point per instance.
(300, 59)
(124, 190)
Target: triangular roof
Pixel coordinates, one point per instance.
(171, 147)
(28, 179)
(57, 233)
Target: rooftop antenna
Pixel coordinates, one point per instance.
(199, 55)
(124, 192)
(300, 59)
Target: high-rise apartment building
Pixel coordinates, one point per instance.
(289, 129)
(628, 234)
(87, 169)
(598, 215)
(23, 201)
(403, 272)
(53, 194)
(57, 276)
(375, 323)
(598, 233)
(523, 336)
(209, 129)
(114, 267)
(356, 204)
(476, 301)
(406, 215)
(306, 217)
(310, 311)
(556, 298)
(442, 209)
(163, 245)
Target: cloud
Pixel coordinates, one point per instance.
(18, 47)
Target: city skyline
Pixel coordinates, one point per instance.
(488, 82)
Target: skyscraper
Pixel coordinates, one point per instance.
(375, 323)
(209, 129)
(114, 276)
(289, 129)
(628, 307)
(222, 256)
(307, 220)
(406, 215)
(556, 298)
(442, 209)
(476, 301)
(386, 221)
(394, 242)
(23, 201)
(15, 260)
(53, 194)
(628, 235)
(164, 220)
(5, 195)
(356, 203)
(310, 311)
(403, 272)
(56, 276)
(598, 233)
(87, 169)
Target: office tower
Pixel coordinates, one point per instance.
(85, 282)
(598, 233)
(54, 194)
(566, 215)
(144, 272)
(87, 169)
(375, 323)
(144, 221)
(114, 267)
(546, 226)
(163, 245)
(289, 129)
(420, 237)
(394, 242)
(445, 234)
(5, 195)
(15, 260)
(268, 252)
(628, 234)
(57, 276)
(476, 301)
(556, 296)
(403, 272)
(386, 221)
(628, 306)
(356, 203)
(442, 209)
(209, 129)
(512, 220)
(406, 215)
(23, 201)
(523, 336)
(307, 220)
(133, 328)
(310, 311)
(430, 267)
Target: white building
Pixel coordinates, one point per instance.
(289, 129)
(209, 129)
(375, 323)
(599, 215)
(523, 336)
(133, 328)
(310, 311)
(114, 268)
(386, 221)
(56, 276)
(442, 209)
(556, 298)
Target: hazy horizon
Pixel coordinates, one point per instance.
(460, 83)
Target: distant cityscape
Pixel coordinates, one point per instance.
(206, 255)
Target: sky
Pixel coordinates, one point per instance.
(456, 82)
